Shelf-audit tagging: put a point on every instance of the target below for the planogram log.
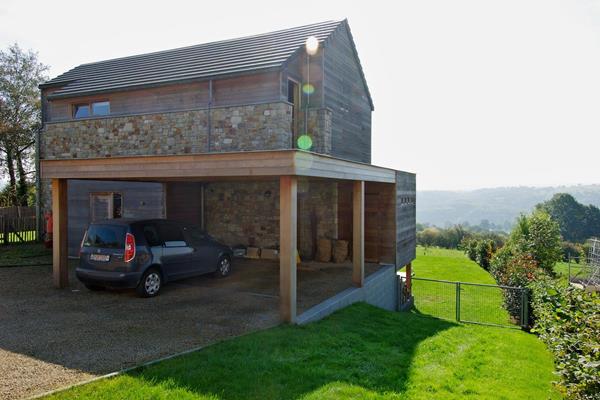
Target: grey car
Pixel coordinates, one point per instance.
(146, 254)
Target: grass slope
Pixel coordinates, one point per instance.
(360, 352)
(478, 303)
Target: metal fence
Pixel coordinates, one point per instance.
(17, 225)
(475, 303)
(578, 270)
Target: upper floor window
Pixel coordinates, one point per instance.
(94, 109)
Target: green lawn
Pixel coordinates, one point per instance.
(24, 254)
(478, 303)
(578, 271)
(360, 352)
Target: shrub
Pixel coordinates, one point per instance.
(539, 236)
(567, 319)
(510, 269)
(479, 250)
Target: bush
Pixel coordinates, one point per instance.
(539, 236)
(518, 270)
(479, 250)
(567, 319)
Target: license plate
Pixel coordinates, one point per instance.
(99, 257)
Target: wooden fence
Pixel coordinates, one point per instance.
(17, 225)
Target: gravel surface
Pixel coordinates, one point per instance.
(50, 338)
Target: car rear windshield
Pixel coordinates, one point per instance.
(105, 236)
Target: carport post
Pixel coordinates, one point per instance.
(288, 195)
(60, 268)
(358, 233)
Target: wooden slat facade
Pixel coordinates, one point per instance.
(250, 89)
(347, 96)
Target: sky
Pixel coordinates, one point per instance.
(467, 94)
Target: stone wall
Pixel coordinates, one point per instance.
(319, 129)
(247, 213)
(240, 128)
(317, 214)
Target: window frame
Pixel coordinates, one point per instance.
(90, 105)
(296, 107)
(111, 204)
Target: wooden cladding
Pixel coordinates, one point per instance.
(223, 165)
(256, 88)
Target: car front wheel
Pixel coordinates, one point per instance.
(150, 284)
(223, 267)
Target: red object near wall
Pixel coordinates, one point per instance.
(49, 228)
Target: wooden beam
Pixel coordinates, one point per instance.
(60, 267)
(288, 204)
(215, 165)
(358, 233)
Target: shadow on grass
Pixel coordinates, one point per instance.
(358, 350)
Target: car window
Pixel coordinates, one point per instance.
(151, 235)
(193, 235)
(105, 236)
(170, 233)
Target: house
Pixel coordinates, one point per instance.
(264, 141)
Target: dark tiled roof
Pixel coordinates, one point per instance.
(228, 57)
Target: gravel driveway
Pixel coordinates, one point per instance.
(50, 338)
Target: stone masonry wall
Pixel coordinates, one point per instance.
(317, 214)
(247, 213)
(319, 129)
(240, 128)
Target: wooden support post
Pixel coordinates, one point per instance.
(358, 233)
(288, 196)
(60, 267)
(409, 279)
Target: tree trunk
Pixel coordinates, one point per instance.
(22, 184)
(12, 179)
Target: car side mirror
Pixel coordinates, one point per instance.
(176, 243)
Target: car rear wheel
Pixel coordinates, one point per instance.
(223, 267)
(150, 284)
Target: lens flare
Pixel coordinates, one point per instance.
(307, 88)
(312, 45)
(305, 142)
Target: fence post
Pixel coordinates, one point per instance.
(458, 301)
(525, 308)
(569, 266)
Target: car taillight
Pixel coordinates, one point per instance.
(129, 247)
(82, 242)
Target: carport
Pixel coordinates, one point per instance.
(389, 190)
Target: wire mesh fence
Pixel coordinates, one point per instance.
(471, 302)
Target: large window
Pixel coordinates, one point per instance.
(94, 109)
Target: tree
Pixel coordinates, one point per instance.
(537, 235)
(20, 116)
(577, 221)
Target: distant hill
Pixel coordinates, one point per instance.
(499, 206)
